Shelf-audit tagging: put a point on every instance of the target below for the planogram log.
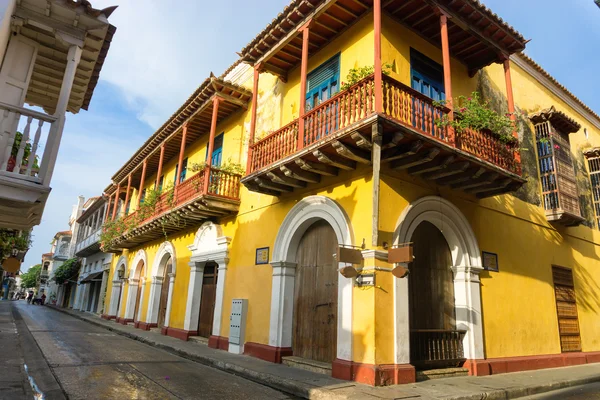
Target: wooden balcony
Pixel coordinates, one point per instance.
(211, 193)
(338, 135)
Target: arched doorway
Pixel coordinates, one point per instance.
(140, 275)
(207, 299)
(164, 293)
(433, 333)
(114, 308)
(315, 294)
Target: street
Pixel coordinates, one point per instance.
(90, 362)
(584, 392)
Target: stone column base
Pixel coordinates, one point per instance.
(266, 352)
(371, 374)
(145, 326)
(218, 342)
(178, 333)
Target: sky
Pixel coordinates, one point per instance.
(163, 50)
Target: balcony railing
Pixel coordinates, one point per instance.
(436, 348)
(29, 160)
(401, 104)
(89, 243)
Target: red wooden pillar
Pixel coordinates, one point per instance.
(114, 213)
(447, 70)
(511, 103)
(160, 165)
(253, 117)
(141, 189)
(211, 141)
(128, 189)
(377, 65)
(305, 29)
(107, 213)
(181, 151)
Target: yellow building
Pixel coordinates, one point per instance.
(314, 203)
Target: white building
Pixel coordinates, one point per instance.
(93, 276)
(51, 55)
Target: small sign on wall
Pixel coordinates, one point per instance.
(490, 261)
(262, 255)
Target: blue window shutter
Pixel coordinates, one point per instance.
(327, 71)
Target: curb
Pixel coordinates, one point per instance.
(284, 385)
(311, 392)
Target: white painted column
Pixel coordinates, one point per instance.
(402, 321)
(467, 303)
(282, 304)
(131, 298)
(138, 317)
(102, 298)
(220, 295)
(55, 135)
(170, 298)
(192, 307)
(154, 300)
(77, 305)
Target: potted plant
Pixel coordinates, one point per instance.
(12, 161)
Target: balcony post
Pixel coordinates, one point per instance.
(511, 103)
(107, 207)
(181, 151)
(257, 68)
(114, 212)
(305, 29)
(139, 197)
(447, 71)
(127, 194)
(211, 141)
(56, 130)
(160, 165)
(378, 71)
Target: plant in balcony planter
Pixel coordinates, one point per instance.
(12, 161)
(474, 113)
(13, 241)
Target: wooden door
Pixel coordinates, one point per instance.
(138, 296)
(207, 300)
(164, 295)
(566, 309)
(315, 295)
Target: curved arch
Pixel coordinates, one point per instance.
(121, 263)
(140, 256)
(466, 265)
(299, 218)
(160, 259)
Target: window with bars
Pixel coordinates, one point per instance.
(594, 168)
(557, 174)
(566, 309)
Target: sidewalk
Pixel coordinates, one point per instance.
(312, 385)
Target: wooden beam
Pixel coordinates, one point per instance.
(272, 185)
(335, 161)
(300, 174)
(472, 173)
(405, 150)
(417, 159)
(499, 184)
(486, 178)
(395, 139)
(255, 188)
(284, 180)
(433, 165)
(510, 188)
(449, 170)
(362, 141)
(317, 168)
(352, 153)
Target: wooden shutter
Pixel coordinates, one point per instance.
(594, 166)
(566, 309)
(323, 73)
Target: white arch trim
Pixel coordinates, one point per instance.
(121, 262)
(139, 256)
(158, 266)
(466, 265)
(308, 211)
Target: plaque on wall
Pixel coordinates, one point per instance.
(262, 255)
(490, 261)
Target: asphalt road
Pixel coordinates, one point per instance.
(90, 362)
(584, 392)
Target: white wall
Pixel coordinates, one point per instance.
(6, 10)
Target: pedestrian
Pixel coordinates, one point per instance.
(43, 298)
(29, 297)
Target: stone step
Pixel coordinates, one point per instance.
(199, 339)
(309, 365)
(441, 373)
(155, 329)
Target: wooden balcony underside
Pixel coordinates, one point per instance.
(190, 214)
(403, 149)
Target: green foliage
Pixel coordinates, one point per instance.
(11, 239)
(68, 270)
(30, 278)
(473, 113)
(357, 74)
(26, 150)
